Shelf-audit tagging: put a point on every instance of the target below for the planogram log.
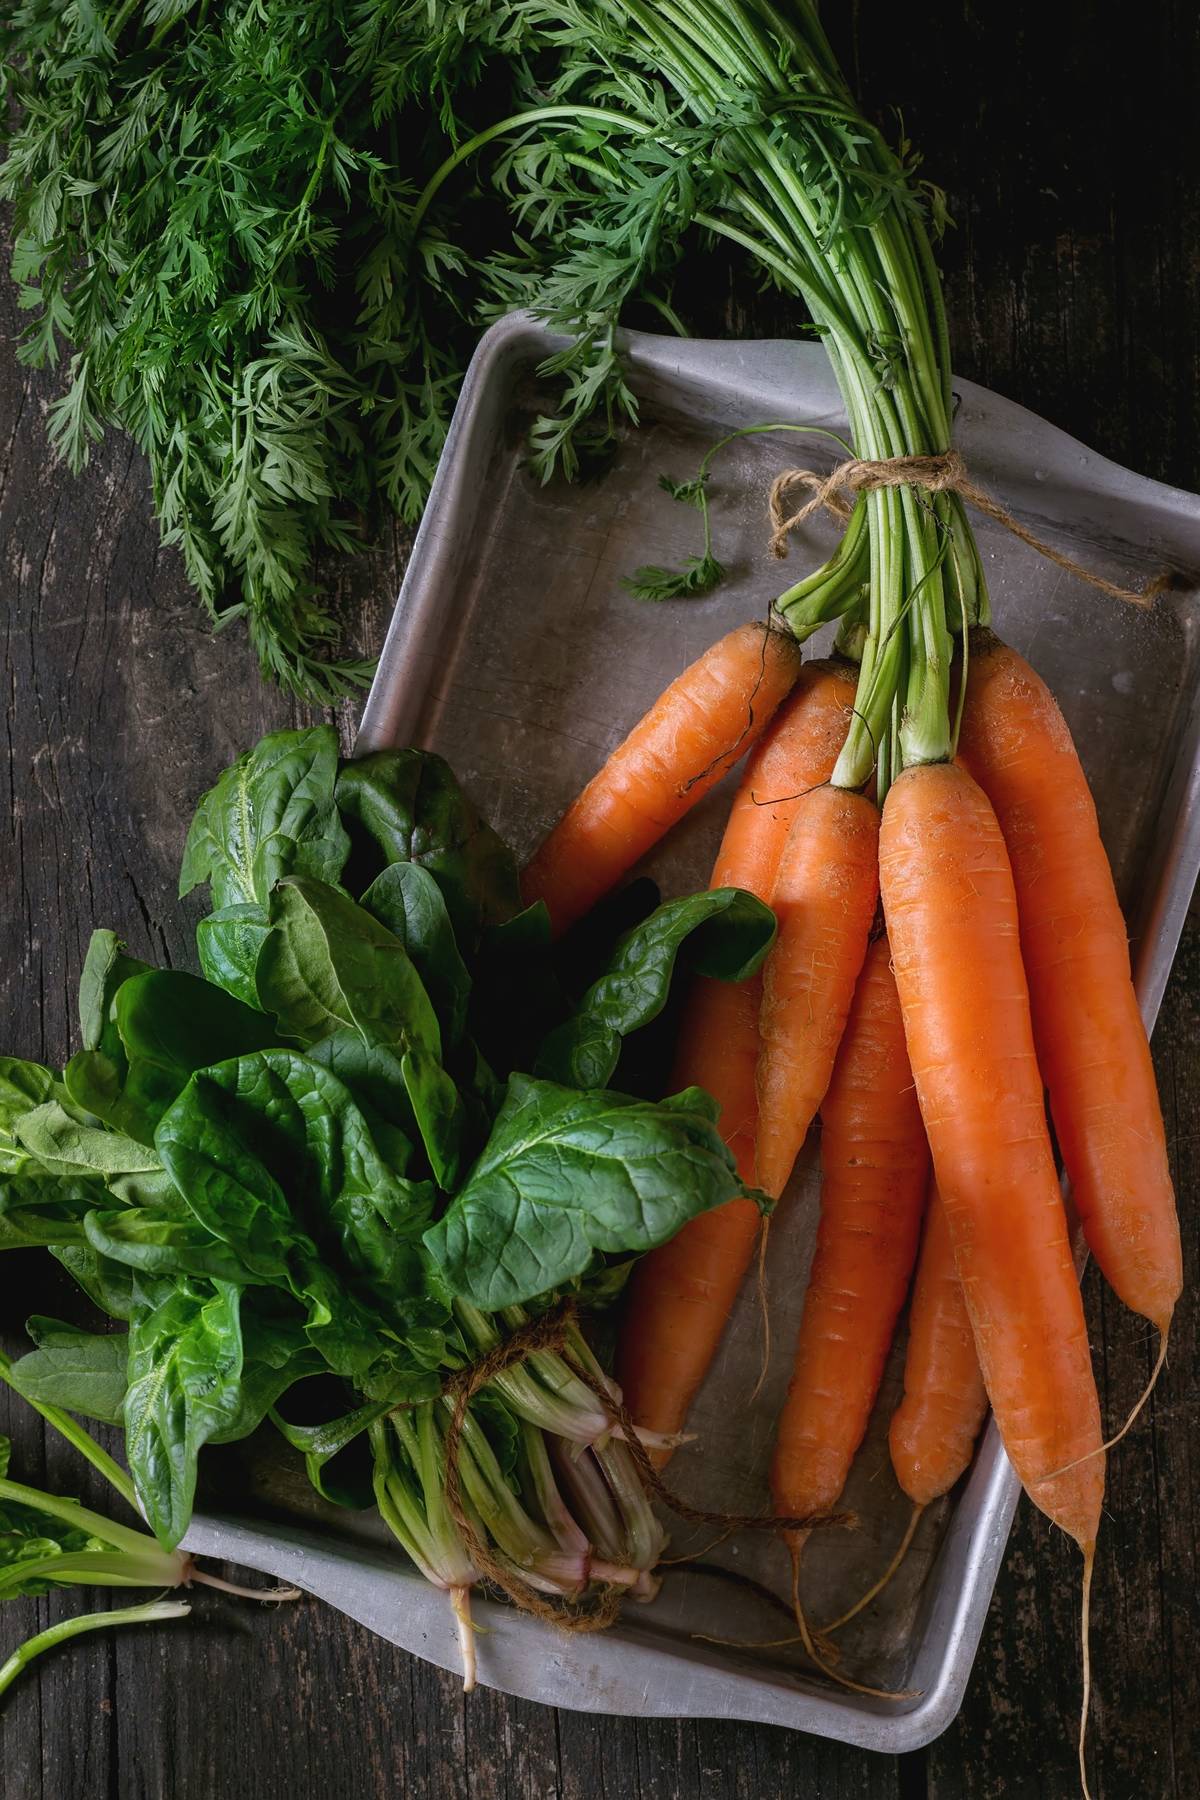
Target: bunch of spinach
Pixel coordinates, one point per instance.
(343, 1149)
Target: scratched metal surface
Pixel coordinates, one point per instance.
(517, 653)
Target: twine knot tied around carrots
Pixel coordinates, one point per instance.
(944, 473)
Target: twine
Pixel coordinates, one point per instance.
(550, 1331)
(943, 474)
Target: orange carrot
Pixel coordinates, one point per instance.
(934, 1428)
(1091, 1042)
(824, 899)
(682, 1294)
(692, 736)
(952, 919)
(874, 1174)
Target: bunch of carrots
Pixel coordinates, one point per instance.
(943, 961)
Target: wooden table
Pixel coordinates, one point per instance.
(1068, 147)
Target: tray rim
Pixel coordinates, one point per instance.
(395, 1601)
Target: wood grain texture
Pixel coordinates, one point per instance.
(1063, 137)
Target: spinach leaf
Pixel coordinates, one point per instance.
(167, 1025)
(228, 944)
(185, 1370)
(408, 900)
(566, 1174)
(726, 933)
(375, 1076)
(152, 1240)
(441, 1118)
(327, 964)
(407, 806)
(37, 1208)
(83, 1371)
(130, 1171)
(276, 1353)
(65, 1147)
(105, 967)
(23, 1086)
(324, 1444)
(270, 814)
(274, 1158)
(108, 1284)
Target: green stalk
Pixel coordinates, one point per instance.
(146, 1614)
(150, 1567)
(121, 1537)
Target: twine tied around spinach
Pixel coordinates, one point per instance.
(945, 473)
(551, 1331)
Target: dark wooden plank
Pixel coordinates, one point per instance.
(1072, 281)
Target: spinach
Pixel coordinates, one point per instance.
(23, 1086)
(42, 1209)
(439, 1112)
(185, 1370)
(325, 1444)
(408, 900)
(727, 934)
(158, 1243)
(247, 1170)
(165, 1026)
(228, 944)
(565, 1174)
(108, 1284)
(375, 1076)
(83, 1371)
(327, 964)
(105, 968)
(406, 806)
(61, 1145)
(270, 814)
(276, 1160)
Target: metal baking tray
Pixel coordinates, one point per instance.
(516, 652)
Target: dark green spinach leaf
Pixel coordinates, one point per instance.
(37, 1208)
(82, 1371)
(725, 933)
(228, 943)
(408, 900)
(167, 1024)
(407, 806)
(270, 814)
(566, 1174)
(275, 1159)
(327, 964)
(440, 1115)
(162, 1243)
(185, 1373)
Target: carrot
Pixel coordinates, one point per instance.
(952, 919)
(1091, 1042)
(693, 734)
(681, 1295)
(874, 1174)
(934, 1428)
(824, 898)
